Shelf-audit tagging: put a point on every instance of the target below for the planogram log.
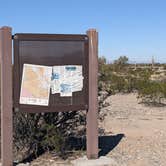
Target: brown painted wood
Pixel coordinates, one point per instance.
(49, 37)
(50, 50)
(92, 114)
(6, 96)
(39, 109)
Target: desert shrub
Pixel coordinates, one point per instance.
(117, 83)
(52, 138)
(130, 84)
(150, 91)
(120, 63)
(164, 66)
(36, 133)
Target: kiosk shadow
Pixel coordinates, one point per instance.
(106, 143)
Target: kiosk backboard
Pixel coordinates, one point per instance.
(51, 50)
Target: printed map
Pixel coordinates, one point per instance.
(35, 85)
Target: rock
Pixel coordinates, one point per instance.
(96, 162)
(105, 104)
(27, 164)
(103, 113)
(102, 96)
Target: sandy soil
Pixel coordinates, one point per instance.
(143, 131)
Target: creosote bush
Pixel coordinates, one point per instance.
(152, 92)
(36, 133)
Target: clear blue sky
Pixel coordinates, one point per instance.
(135, 28)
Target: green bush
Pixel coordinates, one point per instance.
(152, 91)
(44, 131)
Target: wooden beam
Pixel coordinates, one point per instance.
(6, 96)
(92, 114)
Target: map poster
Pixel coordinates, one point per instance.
(35, 86)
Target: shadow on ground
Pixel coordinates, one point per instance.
(106, 144)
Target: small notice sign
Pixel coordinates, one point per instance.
(66, 79)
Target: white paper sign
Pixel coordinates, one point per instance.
(66, 79)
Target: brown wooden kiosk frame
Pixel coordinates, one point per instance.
(87, 99)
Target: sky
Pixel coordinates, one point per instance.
(134, 28)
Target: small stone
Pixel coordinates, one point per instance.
(96, 162)
(26, 164)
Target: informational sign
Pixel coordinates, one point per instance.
(37, 81)
(35, 86)
(66, 79)
(51, 72)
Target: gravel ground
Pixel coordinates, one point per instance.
(144, 130)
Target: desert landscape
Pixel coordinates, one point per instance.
(106, 63)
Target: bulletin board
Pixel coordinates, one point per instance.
(49, 53)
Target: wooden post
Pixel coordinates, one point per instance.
(6, 96)
(92, 114)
